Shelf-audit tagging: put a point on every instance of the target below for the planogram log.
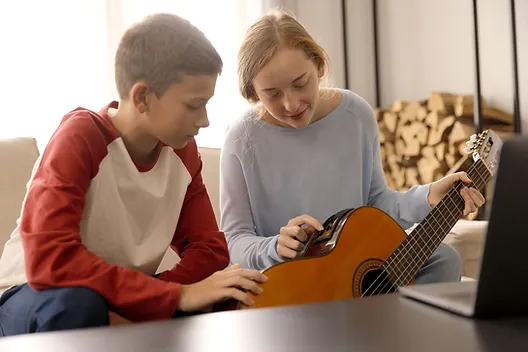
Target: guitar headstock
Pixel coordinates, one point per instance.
(485, 146)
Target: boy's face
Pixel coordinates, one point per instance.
(177, 116)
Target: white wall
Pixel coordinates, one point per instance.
(323, 20)
(425, 45)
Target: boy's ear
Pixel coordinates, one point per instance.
(140, 95)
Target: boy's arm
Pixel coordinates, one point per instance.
(197, 240)
(50, 230)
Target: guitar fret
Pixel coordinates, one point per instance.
(403, 264)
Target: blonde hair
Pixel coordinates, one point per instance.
(264, 38)
(160, 50)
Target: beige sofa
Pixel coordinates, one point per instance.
(18, 155)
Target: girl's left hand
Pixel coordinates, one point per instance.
(473, 199)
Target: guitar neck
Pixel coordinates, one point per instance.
(407, 259)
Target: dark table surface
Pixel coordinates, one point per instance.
(384, 323)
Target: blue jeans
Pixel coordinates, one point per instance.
(445, 265)
(24, 310)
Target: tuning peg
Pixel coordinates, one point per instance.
(467, 150)
(473, 138)
(469, 144)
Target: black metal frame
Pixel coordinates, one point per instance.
(345, 41)
(478, 115)
(516, 105)
(376, 50)
(477, 110)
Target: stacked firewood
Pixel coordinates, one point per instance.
(422, 141)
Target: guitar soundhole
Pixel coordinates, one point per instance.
(371, 280)
(376, 282)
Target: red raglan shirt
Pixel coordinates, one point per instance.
(92, 217)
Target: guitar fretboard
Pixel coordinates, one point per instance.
(405, 262)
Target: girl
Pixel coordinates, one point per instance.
(303, 153)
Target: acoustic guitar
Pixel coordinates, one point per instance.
(364, 252)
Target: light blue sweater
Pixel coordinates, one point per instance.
(270, 174)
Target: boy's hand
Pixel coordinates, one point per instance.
(222, 285)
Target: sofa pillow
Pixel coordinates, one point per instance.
(17, 157)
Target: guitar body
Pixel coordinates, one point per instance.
(343, 266)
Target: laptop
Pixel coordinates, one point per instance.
(502, 285)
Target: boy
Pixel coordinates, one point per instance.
(113, 190)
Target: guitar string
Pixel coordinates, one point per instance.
(450, 194)
(449, 213)
(401, 252)
(448, 222)
(386, 281)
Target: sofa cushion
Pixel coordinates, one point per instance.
(17, 157)
(468, 238)
(211, 176)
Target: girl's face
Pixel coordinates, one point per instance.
(288, 87)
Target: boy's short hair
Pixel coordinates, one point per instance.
(160, 50)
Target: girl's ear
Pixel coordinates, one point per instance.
(320, 69)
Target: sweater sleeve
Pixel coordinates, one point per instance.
(197, 240)
(245, 246)
(407, 208)
(50, 230)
